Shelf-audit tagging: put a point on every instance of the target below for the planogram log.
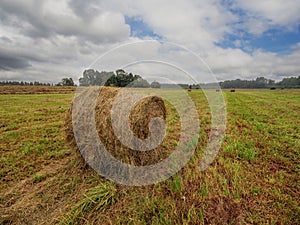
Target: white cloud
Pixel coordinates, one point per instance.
(233, 64)
(192, 22)
(281, 12)
(296, 46)
(264, 14)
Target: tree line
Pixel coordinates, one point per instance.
(261, 82)
(23, 83)
(120, 78)
(64, 82)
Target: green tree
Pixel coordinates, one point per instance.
(67, 82)
(140, 83)
(118, 79)
(291, 82)
(88, 79)
(155, 84)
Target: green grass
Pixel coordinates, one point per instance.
(39, 178)
(95, 200)
(254, 179)
(30, 133)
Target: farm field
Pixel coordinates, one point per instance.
(36, 90)
(254, 179)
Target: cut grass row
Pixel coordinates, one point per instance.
(30, 134)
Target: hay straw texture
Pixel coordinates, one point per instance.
(142, 115)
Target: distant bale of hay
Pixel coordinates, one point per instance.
(232, 90)
(140, 116)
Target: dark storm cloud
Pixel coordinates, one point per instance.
(5, 40)
(26, 17)
(13, 63)
(35, 19)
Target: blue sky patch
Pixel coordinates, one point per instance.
(274, 40)
(138, 28)
(277, 40)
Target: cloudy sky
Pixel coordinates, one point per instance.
(47, 40)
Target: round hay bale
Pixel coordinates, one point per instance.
(141, 115)
(139, 119)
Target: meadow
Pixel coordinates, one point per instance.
(254, 179)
